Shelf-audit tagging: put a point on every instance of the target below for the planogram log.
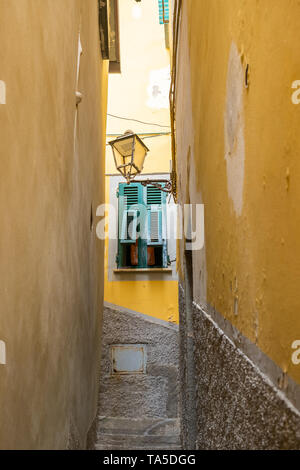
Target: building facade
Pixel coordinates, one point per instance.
(141, 92)
(236, 66)
(53, 94)
(139, 381)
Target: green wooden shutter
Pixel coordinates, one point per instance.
(154, 209)
(132, 214)
(129, 226)
(155, 226)
(128, 198)
(156, 205)
(164, 15)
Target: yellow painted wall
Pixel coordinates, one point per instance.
(239, 154)
(143, 50)
(51, 271)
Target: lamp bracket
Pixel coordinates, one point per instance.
(163, 185)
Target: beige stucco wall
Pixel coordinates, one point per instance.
(51, 261)
(238, 153)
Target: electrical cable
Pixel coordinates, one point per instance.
(156, 135)
(163, 134)
(119, 134)
(136, 120)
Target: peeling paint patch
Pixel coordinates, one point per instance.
(158, 88)
(136, 12)
(2, 353)
(79, 53)
(234, 130)
(2, 92)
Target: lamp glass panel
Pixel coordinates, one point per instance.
(124, 146)
(139, 155)
(119, 158)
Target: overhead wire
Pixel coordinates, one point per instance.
(137, 120)
(152, 136)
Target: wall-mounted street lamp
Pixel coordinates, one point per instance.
(129, 153)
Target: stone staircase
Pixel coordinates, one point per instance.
(137, 434)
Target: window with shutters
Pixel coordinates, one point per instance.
(164, 19)
(164, 16)
(142, 239)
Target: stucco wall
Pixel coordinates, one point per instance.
(152, 394)
(138, 410)
(237, 152)
(51, 182)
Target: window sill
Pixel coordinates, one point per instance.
(142, 270)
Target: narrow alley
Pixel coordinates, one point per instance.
(150, 256)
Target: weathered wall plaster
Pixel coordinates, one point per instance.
(234, 130)
(50, 271)
(158, 88)
(2, 92)
(2, 352)
(252, 215)
(238, 406)
(237, 147)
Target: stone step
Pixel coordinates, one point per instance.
(108, 442)
(135, 434)
(160, 440)
(145, 426)
(132, 446)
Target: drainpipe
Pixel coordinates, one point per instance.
(190, 380)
